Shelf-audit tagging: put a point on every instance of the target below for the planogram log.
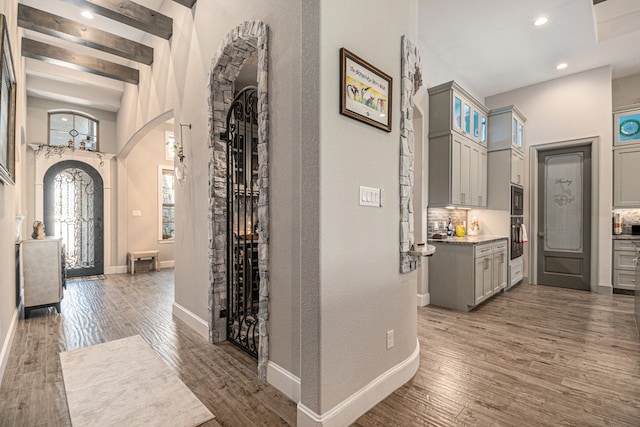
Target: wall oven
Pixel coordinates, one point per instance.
(517, 244)
(517, 201)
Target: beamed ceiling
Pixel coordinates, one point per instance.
(88, 61)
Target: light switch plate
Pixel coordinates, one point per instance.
(370, 196)
(136, 213)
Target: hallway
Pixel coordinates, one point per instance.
(533, 356)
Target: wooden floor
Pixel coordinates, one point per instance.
(533, 356)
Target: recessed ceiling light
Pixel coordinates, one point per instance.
(562, 66)
(87, 14)
(541, 21)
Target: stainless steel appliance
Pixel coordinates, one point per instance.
(517, 244)
(517, 201)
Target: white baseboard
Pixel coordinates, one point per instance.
(284, 381)
(168, 264)
(424, 299)
(115, 269)
(347, 411)
(605, 289)
(6, 345)
(193, 321)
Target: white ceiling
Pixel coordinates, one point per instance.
(491, 45)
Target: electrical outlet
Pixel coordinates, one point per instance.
(389, 339)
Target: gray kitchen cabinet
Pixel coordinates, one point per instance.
(457, 172)
(467, 274)
(453, 109)
(517, 167)
(506, 129)
(624, 264)
(42, 275)
(626, 175)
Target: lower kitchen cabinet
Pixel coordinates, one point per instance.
(624, 253)
(464, 274)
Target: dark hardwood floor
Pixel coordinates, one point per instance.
(533, 356)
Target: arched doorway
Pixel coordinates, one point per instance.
(245, 41)
(73, 210)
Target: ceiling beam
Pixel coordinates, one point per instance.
(77, 61)
(131, 14)
(187, 3)
(66, 29)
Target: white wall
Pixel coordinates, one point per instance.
(573, 107)
(143, 195)
(354, 292)
(10, 197)
(178, 81)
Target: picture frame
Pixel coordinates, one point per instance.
(626, 125)
(7, 107)
(365, 91)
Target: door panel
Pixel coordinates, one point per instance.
(564, 216)
(73, 209)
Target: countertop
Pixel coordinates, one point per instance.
(469, 240)
(625, 236)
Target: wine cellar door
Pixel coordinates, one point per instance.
(243, 278)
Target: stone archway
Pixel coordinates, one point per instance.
(234, 51)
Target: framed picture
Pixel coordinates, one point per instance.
(7, 107)
(626, 126)
(365, 91)
(169, 145)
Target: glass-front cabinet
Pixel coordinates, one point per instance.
(468, 116)
(507, 129)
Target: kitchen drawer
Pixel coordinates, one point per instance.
(516, 271)
(623, 260)
(623, 279)
(482, 250)
(624, 245)
(500, 246)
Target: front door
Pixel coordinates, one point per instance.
(564, 217)
(73, 209)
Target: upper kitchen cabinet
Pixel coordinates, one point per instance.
(507, 129)
(451, 108)
(458, 131)
(626, 176)
(457, 172)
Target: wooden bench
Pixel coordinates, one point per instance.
(134, 256)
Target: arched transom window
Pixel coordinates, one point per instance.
(73, 130)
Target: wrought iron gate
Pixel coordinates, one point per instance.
(243, 278)
(73, 210)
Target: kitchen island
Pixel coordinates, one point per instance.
(466, 271)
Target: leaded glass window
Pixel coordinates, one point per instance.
(73, 130)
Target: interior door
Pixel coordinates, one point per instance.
(564, 217)
(73, 210)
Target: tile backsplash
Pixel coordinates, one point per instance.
(629, 217)
(440, 217)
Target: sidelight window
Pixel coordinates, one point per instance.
(167, 205)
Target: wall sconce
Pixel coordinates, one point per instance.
(181, 168)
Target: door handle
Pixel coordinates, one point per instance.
(541, 235)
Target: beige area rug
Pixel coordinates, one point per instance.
(124, 383)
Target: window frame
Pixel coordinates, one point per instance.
(75, 114)
(165, 170)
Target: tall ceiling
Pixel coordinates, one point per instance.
(494, 46)
(491, 45)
